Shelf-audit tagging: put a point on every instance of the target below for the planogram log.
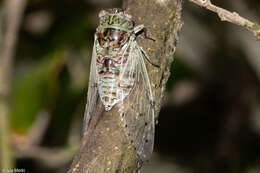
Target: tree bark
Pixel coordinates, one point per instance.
(104, 147)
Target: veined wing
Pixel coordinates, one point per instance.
(92, 97)
(137, 110)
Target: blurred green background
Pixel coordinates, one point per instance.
(210, 120)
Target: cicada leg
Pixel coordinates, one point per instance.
(141, 29)
(148, 58)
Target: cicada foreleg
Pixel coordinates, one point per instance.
(147, 57)
(141, 29)
(138, 30)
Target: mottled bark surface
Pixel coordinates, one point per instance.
(104, 146)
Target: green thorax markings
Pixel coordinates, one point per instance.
(116, 21)
(111, 19)
(116, 27)
(110, 52)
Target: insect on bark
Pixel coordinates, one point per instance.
(117, 68)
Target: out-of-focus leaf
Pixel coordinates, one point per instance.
(28, 97)
(35, 90)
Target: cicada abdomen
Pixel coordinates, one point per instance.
(116, 68)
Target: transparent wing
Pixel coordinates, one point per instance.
(149, 128)
(138, 119)
(92, 97)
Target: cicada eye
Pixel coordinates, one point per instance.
(128, 15)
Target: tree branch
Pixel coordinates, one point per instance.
(13, 10)
(231, 17)
(104, 146)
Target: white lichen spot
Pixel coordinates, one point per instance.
(162, 2)
(109, 162)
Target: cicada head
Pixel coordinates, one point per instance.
(115, 28)
(116, 18)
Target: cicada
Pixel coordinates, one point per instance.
(117, 68)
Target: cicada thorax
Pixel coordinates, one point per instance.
(113, 47)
